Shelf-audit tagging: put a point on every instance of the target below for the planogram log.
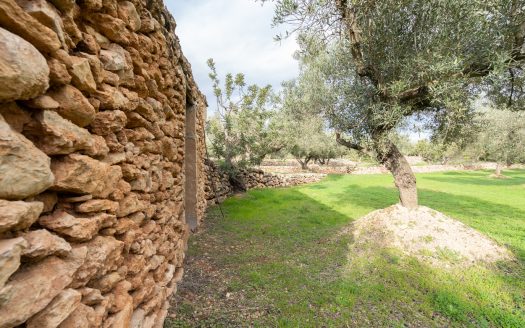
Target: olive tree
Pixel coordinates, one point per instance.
(502, 138)
(385, 61)
(305, 133)
(243, 130)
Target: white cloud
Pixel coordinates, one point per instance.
(238, 36)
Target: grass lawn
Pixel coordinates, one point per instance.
(278, 259)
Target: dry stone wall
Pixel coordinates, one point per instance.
(94, 98)
(219, 186)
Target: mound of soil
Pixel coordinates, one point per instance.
(426, 234)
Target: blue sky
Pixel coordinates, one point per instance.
(238, 35)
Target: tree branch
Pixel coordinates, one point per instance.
(346, 143)
(354, 37)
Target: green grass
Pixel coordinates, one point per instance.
(282, 251)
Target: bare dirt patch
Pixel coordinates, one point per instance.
(426, 234)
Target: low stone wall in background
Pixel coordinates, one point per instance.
(219, 186)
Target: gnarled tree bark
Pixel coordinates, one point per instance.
(389, 155)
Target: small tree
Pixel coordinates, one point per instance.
(385, 61)
(502, 138)
(306, 133)
(242, 131)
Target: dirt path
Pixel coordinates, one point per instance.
(203, 298)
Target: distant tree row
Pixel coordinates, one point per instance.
(252, 122)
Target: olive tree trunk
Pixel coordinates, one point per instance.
(404, 179)
(304, 163)
(498, 169)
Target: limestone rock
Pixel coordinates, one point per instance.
(107, 122)
(16, 20)
(57, 311)
(42, 243)
(98, 148)
(42, 102)
(114, 158)
(20, 80)
(91, 5)
(31, 289)
(10, 252)
(73, 105)
(74, 228)
(121, 296)
(63, 5)
(130, 204)
(115, 58)
(97, 205)
(16, 117)
(89, 44)
(74, 34)
(24, 169)
(49, 199)
(103, 254)
(55, 135)
(91, 296)
(18, 215)
(122, 319)
(82, 317)
(128, 13)
(111, 98)
(82, 174)
(58, 74)
(77, 199)
(137, 320)
(106, 283)
(80, 71)
(96, 66)
(46, 14)
(113, 28)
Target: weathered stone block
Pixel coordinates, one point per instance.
(18, 215)
(30, 290)
(128, 13)
(84, 175)
(75, 228)
(73, 105)
(113, 28)
(108, 121)
(55, 135)
(56, 311)
(24, 169)
(97, 205)
(42, 243)
(16, 20)
(130, 204)
(80, 71)
(10, 252)
(103, 254)
(45, 13)
(82, 317)
(20, 80)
